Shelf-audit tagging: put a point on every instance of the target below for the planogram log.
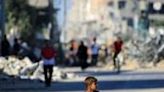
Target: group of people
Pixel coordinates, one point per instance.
(82, 53)
(79, 54)
(48, 54)
(7, 49)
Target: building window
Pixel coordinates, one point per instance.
(121, 4)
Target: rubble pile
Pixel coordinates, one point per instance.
(25, 69)
(144, 49)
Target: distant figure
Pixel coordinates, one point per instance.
(5, 47)
(91, 84)
(103, 54)
(16, 47)
(82, 55)
(48, 54)
(117, 46)
(72, 53)
(95, 52)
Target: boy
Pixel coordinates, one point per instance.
(91, 84)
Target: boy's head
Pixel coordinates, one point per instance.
(91, 83)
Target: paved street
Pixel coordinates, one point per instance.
(38, 34)
(142, 80)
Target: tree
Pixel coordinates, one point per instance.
(17, 14)
(28, 19)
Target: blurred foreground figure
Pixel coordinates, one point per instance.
(48, 54)
(91, 84)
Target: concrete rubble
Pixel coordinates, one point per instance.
(147, 50)
(25, 69)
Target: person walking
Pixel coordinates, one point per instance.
(117, 46)
(95, 52)
(48, 54)
(82, 55)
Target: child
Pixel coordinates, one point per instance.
(91, 84)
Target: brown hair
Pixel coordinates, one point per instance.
(89, 80)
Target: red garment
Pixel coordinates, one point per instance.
(118, 46)
(48, 52)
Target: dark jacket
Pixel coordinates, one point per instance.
(82, 52)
